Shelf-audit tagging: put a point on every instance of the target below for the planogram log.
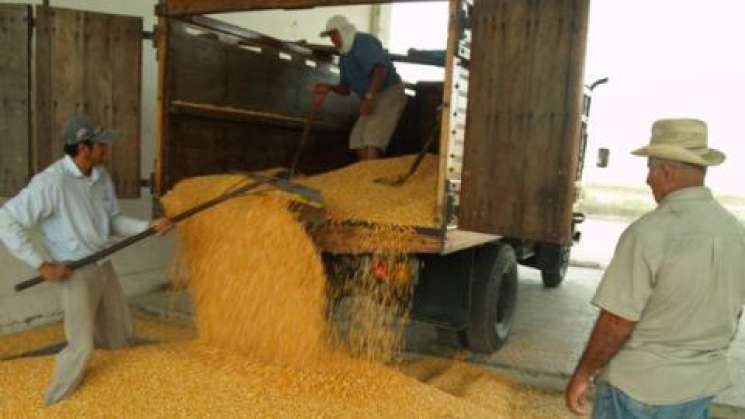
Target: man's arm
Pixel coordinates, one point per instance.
(122, 225)
(325, 88)
(33, 204)
(341, 89)
(379, 74)
(607, 338)
(30, 206)
(16, 239)
(377, 78)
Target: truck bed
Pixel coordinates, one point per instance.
(357, 238)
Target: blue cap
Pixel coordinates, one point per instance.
(80, 127)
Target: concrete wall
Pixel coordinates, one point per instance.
(143, 267)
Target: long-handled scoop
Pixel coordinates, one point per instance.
(402, 178)
(308, 195)
(315, 106)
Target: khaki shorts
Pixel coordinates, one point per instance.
(375, 130)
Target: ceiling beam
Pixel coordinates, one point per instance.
(198, 7)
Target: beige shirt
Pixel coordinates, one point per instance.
(679, 271)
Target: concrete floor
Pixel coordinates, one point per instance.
(550, 329)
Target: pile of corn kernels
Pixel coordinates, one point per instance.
(263, 346)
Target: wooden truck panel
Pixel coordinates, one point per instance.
(232, 102)
(89, 62)
(523, 125)
(509, 120)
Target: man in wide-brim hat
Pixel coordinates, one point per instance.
(672, 296)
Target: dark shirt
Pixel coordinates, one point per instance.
(357, 66)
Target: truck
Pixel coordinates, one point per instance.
(511, 124)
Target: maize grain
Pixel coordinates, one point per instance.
(264, 348)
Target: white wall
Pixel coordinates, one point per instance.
(144, 266)
(306, 24)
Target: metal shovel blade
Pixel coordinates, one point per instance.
(393, 181)
(308, 195)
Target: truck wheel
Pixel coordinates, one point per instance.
(553, 261)
(493, 297)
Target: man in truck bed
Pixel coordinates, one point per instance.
(367, 71)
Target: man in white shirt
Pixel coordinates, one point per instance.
(74, 204)
(671, 298)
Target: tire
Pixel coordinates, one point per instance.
(493, 298)
(553, 261)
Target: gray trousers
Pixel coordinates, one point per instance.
(96, 316)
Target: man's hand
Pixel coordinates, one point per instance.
(322, 88)
(53, 271)
(608, 336)
(367, 107)
(575, 394)
(162, 225)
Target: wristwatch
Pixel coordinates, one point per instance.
(369, 95)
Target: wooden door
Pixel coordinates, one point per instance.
(522, 132)
(90, 63)
(15, 97)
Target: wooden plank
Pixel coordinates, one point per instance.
(41, 146)
(197, 66)
(252, 37)
(162, 122)
(68, 59)
(247, 115)
(359, 239)
(227, 103)
(15, 87)
(195, 7)
(126, 115)
(93, 66)
(550, 121)
(447, 88)
(210, 146)
(62, 96)
(456, 240)
(223, 68)
(523, 120)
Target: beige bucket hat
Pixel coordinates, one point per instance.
(681, 140)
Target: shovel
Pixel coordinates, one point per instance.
(399, 180)
(316, 104)
(311, 196)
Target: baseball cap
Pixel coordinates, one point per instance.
(335, 23)
(80, 127)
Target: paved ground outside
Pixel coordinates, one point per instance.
(551, 326)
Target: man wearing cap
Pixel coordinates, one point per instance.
(367, 71)
(671, 298)
(73, 203)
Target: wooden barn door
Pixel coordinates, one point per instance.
(15, 97)
(89, 63)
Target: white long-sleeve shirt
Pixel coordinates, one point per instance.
(77, 214)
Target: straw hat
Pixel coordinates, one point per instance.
(681, 140)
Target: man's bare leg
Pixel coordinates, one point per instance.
(368, 153)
